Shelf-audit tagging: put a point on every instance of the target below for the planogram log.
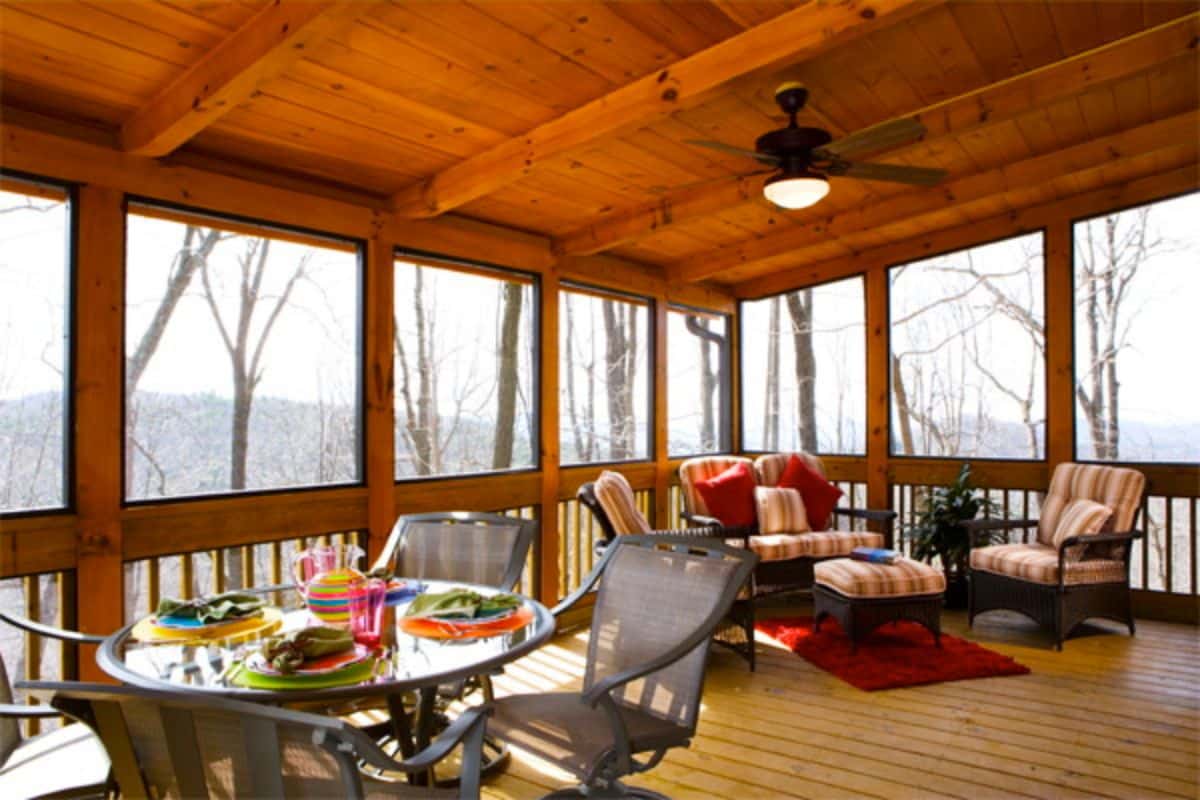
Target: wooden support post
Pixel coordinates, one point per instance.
(1060, 371)
(878, 422)
(380, 456)
(99, 318)
(662, 466)
(548, 411)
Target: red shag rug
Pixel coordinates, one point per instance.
(894, 655)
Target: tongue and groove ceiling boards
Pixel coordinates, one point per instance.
(569, 119)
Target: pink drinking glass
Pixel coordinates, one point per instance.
(367, 601)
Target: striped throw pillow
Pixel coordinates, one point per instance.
(780, 510)
(616, 498)
(1080, 518)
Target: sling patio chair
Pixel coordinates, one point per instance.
(179, 745)
(659, 601)
(611, 501)
(1078, 567)
(67, 761)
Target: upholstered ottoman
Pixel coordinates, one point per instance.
(861, 596)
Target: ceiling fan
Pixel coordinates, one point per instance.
(806, 157)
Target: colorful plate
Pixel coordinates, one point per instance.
(193, 625)
(263, 624)
(430, 628)
(315, 666)
(355, 673)
(401, 591)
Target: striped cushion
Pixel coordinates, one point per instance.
(1119, 489)
(1080, 518)
(780, 510)
(779, 546)
(701, 469)
(615, 496)
(769, 468)
(862, 579)
(1039, 563)
(825, 544)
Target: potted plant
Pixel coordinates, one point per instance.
(937, 531)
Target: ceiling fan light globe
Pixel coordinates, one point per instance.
(792, 192)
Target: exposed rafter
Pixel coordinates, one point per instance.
(265, 46)
(797, 35)
(987, 105)
(910, 206)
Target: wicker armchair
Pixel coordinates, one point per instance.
(660, 599)
(169, 745)
(1061, 584)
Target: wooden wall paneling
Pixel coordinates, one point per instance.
(471, 492)
(97, 424)
(229, 73)
(38, 543)
(378, 382)
(797, 35)
(878, 388)
(548, 412)
(1060, 355)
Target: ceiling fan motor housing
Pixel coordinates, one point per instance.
(793, 144)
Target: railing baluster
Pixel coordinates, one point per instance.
(33, 649)
(187, 576)
(153, 581)
(1169, 542)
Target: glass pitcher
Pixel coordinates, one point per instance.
(326, 576)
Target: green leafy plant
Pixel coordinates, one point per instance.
(938, 531)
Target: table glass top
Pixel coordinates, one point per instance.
(406, 661)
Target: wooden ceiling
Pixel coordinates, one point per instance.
(568, 119)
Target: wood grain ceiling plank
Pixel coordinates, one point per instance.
(169, 20)
(755, 13)
(1076, 26)
(685, 28)
(987, 33)
(229, 73)
(17, 92)
(798, 35)
(1119, 18)
(1099, 108)
(1156, 12)
(98, 24)
(80, 76)
(1087, 154)
(463, 35)
(1169, 46)
(1033, 31)
(941, 37)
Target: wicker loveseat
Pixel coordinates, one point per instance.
(1060, 580)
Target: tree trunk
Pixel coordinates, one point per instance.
(708, 389)
(800, 307)
(506, 390)
(424, 433)
(243, 397)
(771, 397)
(903, 410)
(616, 377)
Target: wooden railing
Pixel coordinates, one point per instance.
(48, 598)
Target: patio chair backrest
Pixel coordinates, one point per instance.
(10, 728)
(487, 549)
(1116, 487)
(656, 594)
(699, 469)
(169, 745)
(768, 469)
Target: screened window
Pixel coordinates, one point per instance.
(465, 365)
(1137, 288)
(242, 347)
(604, 383)
(804, 370)
(697, 382)
(968, 353)
(34, 289)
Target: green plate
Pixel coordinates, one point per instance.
(355, 673)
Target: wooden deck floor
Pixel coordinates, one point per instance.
(1110, 716)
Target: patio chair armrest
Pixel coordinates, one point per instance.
(1099, 538)
(585, 586)
(702, 521)
(456, 732)
(18, 711)
(870, 514)
(977, 527)
(50, 631)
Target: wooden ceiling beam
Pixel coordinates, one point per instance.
(987, 105)
(796, 35)
(1145, 189)
(230, 73)
(909, 206)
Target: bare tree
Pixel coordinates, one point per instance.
(507, 379)
(800, 309)
(621, 343)
(771, 397)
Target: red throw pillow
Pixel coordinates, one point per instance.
(819, 495)
(730, 496)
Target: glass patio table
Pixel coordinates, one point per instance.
(406, 665)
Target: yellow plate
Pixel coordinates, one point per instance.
(235, 631)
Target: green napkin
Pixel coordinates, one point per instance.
(286, 653)
(219, 608)
(460, 603)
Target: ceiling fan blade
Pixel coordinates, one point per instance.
(896, 173)
(877, 137)
(765, 158)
